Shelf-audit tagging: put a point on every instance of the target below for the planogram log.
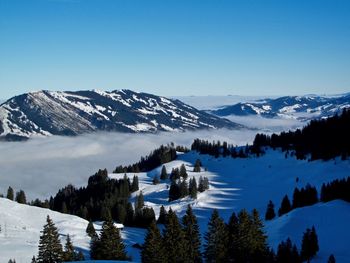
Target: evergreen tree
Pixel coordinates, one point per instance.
(110, 245)
(309, 246)
(90, 230)
(21, 197)
(174, 239)
(50, 248)
(153, 249)
(197, 166)
(192, 236)
(183, 172)
(164, 174)
(270, 211)
(10, 193)
(33, 260)
(139, 203)
(174, 191)
(215, 248)
(192, 189)
(233, 238)
(287, 253)
(135, 184)
(69, 253)
(183, 188)
(331, 259)
(285, 206)
(162, 215)
(130, 216)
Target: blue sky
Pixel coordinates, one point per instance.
(176, 47)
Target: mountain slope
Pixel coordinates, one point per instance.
(70, 113)
(299, 107)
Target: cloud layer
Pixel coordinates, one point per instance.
(44, 165)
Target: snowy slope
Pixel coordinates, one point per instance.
(331, 221)
(47, 113)
(234, 184)
(249, 183)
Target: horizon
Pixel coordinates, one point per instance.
(176, 48)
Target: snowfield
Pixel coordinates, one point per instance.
(234, 184)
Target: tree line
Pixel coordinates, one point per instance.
(321, 139)
(241, 239)
(308, 195)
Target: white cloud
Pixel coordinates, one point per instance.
(42, 166)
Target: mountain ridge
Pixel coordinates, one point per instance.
(45, 113)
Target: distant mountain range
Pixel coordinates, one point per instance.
(47, 113)
(298, 107)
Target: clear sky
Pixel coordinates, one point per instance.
(176, 47)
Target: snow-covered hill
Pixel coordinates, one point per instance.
(295, 107)
(234, 184)
(46, 113)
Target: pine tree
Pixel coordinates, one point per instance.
(135, 184)
(287, 253)
(233, 238)
(192, 236)
(164, 174)
(162, 215)
(285, 206)
(50, 248)
(139, 203)
(69, 253)
(153, 249)
(110, 245)
(129, 220)
(270, 211)
(21, 197)
(215, 248)
(174, 239)
(197, 166)
(183, 172)
(33, 260)
(193, 188)
(309, 246)
(10, 193)
(331, 259)
(90, 230)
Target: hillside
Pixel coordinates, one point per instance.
(234, 184)
(47, 113)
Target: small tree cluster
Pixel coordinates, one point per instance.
(203, 184)
(180, 189)
(305, 196)
(337, 189)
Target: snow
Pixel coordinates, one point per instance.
(331, 222)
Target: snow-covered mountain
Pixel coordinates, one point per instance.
(70, 113)
(297, 107)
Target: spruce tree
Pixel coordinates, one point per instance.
(259, 239)
(135, 184)
(285, 206)
(192, 188)
(50, 248)
(215, 248)
(174, 239)
(197, 166)
(192, 236)
(164, 174)
(90, 230)
(162, 215)
(183, 172)
(33, 260)
(309, 246)
(270, 211)
(10, 193)
(110, 245)
(21, 197)
(153, 249)
(69, 253)
(233, 238)
(155, 180)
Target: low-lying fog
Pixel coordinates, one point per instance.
(42, 166)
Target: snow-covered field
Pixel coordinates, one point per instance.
(234, 184)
